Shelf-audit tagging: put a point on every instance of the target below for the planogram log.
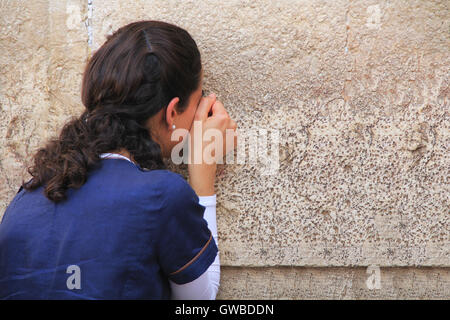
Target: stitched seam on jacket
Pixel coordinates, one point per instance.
(193, 259)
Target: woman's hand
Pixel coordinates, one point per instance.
(202, 172)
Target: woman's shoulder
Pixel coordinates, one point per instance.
(130, 174)
(161, 181)
(125, 177)
(176, 195)
(162, 188)
(173, 182)
(164, 175)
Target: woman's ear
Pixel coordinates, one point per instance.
(171, 112)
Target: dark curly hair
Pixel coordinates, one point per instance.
(130, 78)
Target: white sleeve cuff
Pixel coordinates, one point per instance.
(207, 200)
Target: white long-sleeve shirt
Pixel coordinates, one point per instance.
(206, 286)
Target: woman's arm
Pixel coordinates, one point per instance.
(202, 178)
(206, 286)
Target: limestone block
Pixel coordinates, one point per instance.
(44, 49)
(23, 79)
(358, 93)
(334, 283)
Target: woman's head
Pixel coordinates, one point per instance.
(147, 69)
(144, 79)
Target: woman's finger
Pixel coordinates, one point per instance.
(233, 124)
(205, 106)
(218, 108)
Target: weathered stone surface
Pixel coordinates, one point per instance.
(357, 90)
(44, 50)
(23, 80)
(334, 283)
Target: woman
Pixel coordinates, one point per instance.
(101, 217)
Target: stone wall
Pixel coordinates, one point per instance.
(358, 92)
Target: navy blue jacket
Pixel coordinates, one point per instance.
(122, 235)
